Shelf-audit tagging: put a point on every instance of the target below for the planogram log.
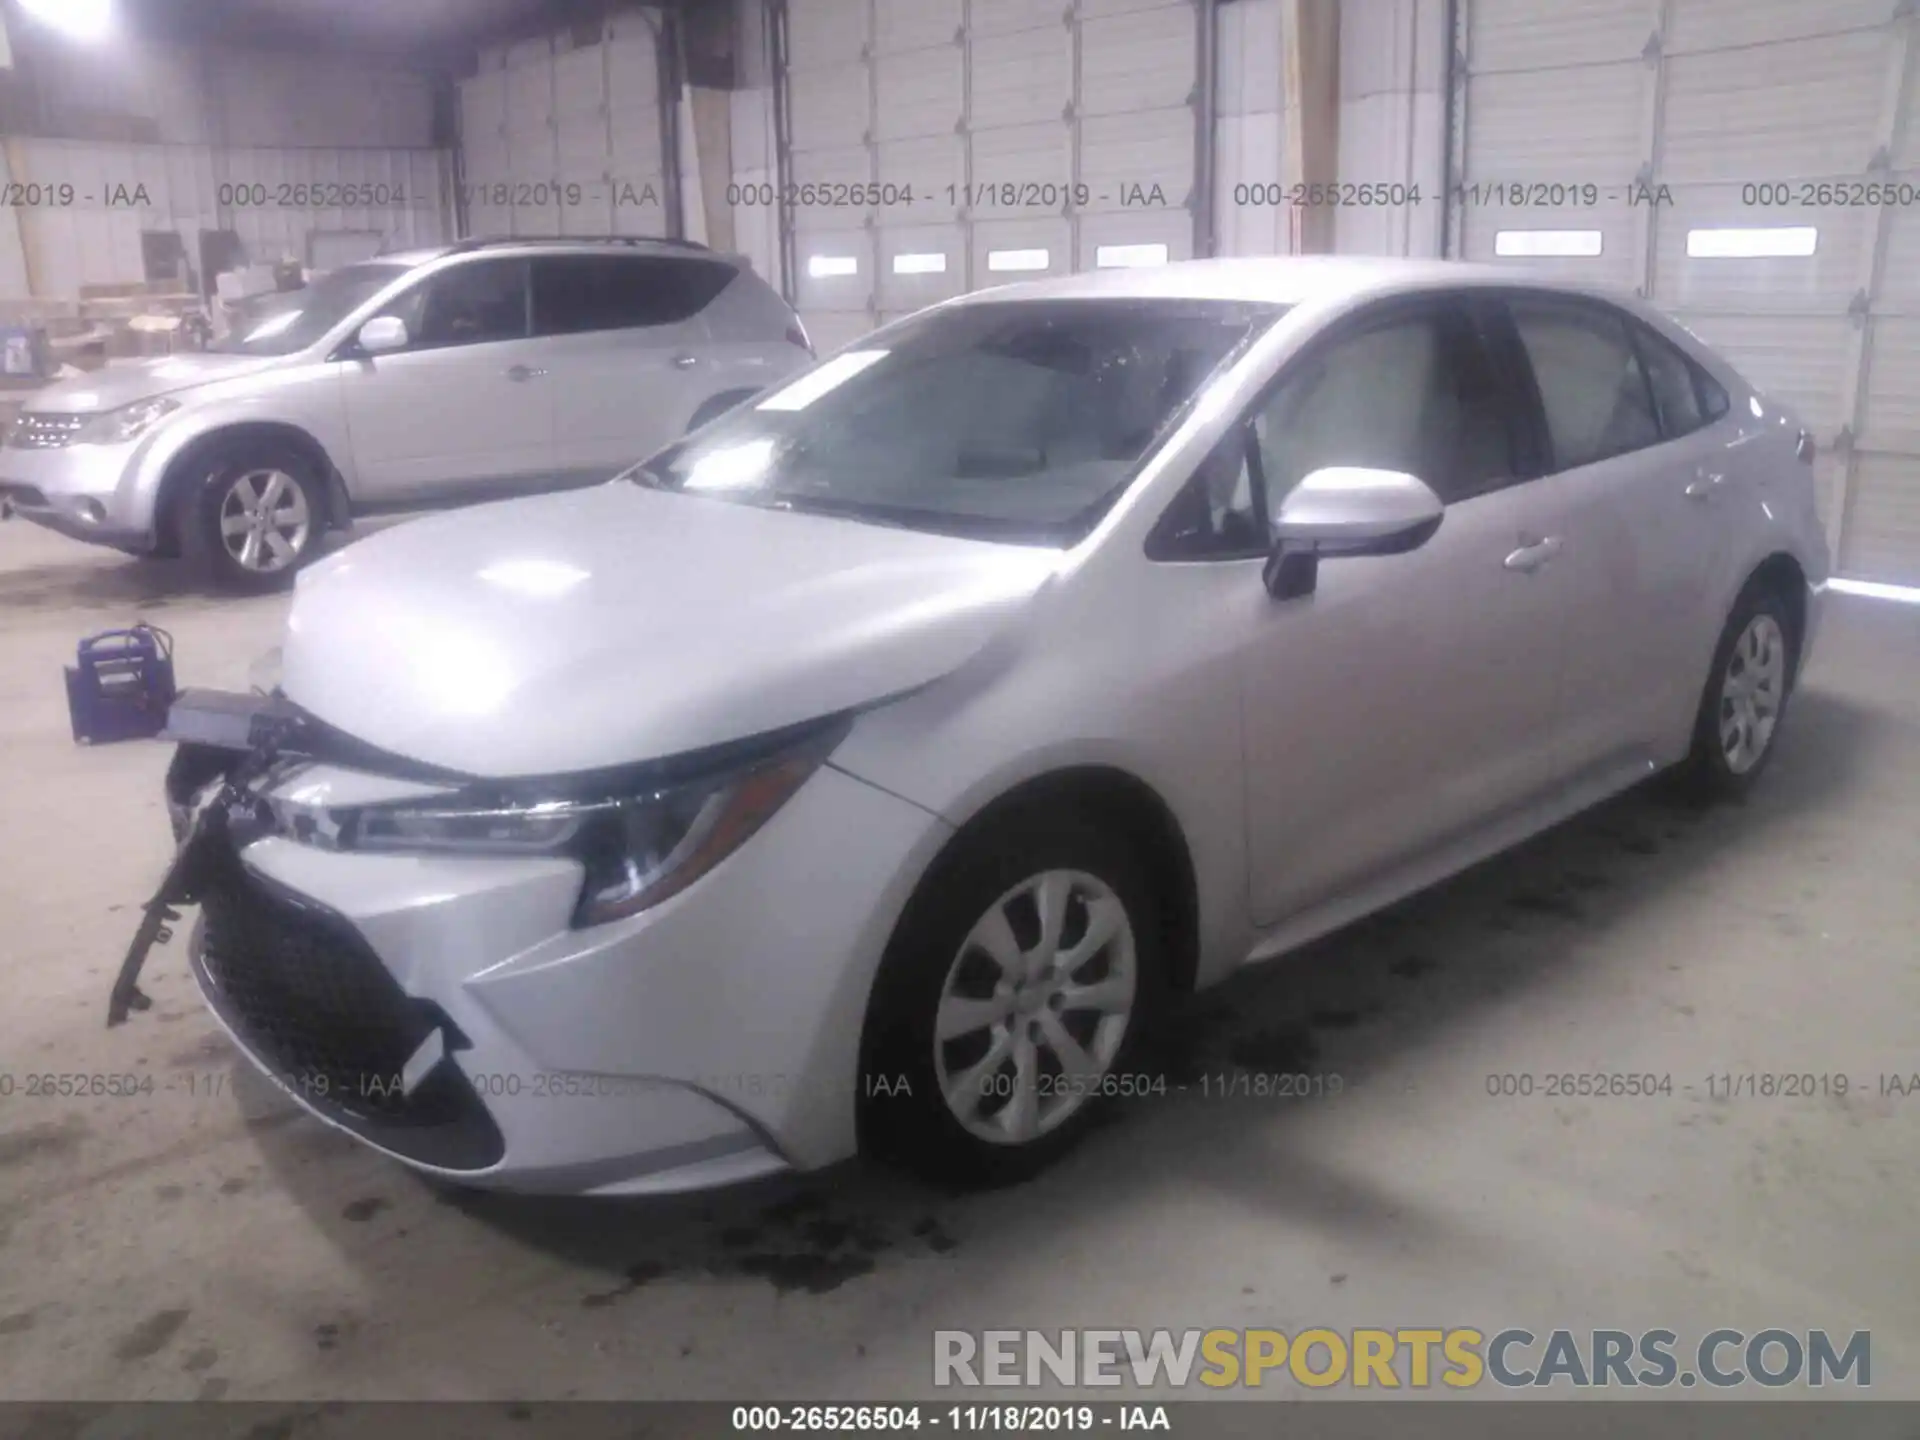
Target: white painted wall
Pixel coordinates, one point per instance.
(276, 147)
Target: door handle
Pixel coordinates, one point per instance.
(685, 362)
(521, 373)
(1532, 554)
(1705, 483)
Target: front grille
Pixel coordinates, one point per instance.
(19, 494)
(307, 995)
(33, 431)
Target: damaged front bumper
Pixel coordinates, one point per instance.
(223, 743)
(447, 1010)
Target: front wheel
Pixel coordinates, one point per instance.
(255, 518)
(1745, 698)
(1010, 1001)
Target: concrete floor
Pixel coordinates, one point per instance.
(205, 1241)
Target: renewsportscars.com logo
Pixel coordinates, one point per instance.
(1413, 1359)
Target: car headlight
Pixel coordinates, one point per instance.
(129, 422)
(637, 849)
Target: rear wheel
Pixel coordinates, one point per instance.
(1010, 1001)
(1746, 697)
(255, 517)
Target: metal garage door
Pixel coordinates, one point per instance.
(996, 139)
(1725, 157)
(562, 135)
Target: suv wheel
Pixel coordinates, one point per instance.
(1010, 1001)
(256, 518)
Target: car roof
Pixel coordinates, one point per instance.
(407, 258)
(1276, 280)
(560, 245)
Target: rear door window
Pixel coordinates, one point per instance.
(578, 294)
(1593, 389)
(1676, 389)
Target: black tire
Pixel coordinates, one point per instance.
(1710, 772)
(904, 1117)
(715, 406)
(210, 493)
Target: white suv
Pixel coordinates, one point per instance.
(468, 372)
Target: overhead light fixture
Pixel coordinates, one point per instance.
(76, 19)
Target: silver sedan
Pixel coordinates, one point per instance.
(869, 768)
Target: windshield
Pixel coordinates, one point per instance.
(296, 319)
(1004, 420)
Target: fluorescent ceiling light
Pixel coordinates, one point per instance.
(1560, 244)
(1124, 257)
(1905, 594)
(819, 380)
(820, 267)
(76, 19)
(931, 264)
(1017, 260)
(1794, 241)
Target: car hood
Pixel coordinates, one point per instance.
(619, 624)
(124, 382)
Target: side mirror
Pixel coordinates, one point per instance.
(383, 333)
(1344, 511)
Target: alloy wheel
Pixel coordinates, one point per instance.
(1751, 693)
(265, 521)
(1035, 1007)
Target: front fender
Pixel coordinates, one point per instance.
(310, 409)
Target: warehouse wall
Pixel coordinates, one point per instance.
(289, 151)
